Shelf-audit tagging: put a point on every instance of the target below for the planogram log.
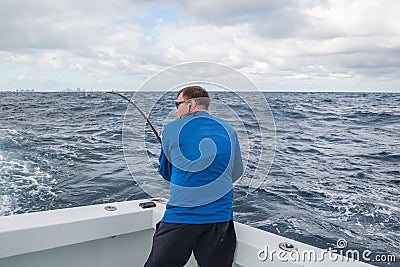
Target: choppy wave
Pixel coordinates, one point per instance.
(335, 173)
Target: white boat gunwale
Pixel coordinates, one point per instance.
(26, 236)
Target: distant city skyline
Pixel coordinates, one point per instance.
(316, 45)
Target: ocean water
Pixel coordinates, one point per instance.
(335, 173)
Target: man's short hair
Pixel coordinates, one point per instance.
(198, 93)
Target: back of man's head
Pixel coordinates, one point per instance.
(198, 93)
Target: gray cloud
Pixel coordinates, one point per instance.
(271, 19)
(286, 39)
(62, 24)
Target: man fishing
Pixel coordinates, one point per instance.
(200, 157)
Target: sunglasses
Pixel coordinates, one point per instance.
(177, 104)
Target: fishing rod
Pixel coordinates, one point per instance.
(140, 111)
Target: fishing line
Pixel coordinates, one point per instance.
(141, 112)
(93, 114)
(74, 154)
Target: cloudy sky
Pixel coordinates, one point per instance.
(281, 45)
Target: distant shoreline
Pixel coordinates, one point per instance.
(263, 91)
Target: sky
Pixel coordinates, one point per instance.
(281, 45)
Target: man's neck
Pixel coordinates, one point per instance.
(197, 109)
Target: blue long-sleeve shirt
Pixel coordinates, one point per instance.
(200, 157)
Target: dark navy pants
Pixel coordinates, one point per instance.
(213, 245)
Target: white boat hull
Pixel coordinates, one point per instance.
(92, 236)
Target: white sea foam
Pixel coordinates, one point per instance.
(6, 205)
(12, 131)
(9, 135)
(16, 177)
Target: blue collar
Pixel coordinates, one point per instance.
(200, 113)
